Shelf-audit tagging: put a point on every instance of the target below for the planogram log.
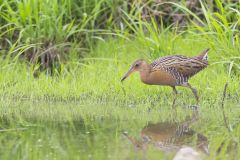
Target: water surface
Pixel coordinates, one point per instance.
(38, 130)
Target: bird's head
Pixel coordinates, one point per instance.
(138, 65)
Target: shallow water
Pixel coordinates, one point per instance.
(73, 131)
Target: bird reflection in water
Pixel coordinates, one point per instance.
(171, 136)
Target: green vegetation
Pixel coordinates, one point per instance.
(62, 61)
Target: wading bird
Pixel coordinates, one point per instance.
(170, 71)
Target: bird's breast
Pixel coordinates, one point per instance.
(158, 77)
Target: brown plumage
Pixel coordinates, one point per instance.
(171, 71)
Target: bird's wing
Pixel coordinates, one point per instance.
(186, 66)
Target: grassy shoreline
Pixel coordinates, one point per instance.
(97, 76)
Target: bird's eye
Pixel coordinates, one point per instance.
(136, 65)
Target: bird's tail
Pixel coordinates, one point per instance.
(203, 55)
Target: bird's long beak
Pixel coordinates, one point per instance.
(130, 71)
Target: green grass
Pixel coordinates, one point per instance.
(98, 75)
(33, 28)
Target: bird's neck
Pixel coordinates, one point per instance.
(145, 73)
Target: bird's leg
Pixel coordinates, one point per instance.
(193, 90)
(175, 95)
